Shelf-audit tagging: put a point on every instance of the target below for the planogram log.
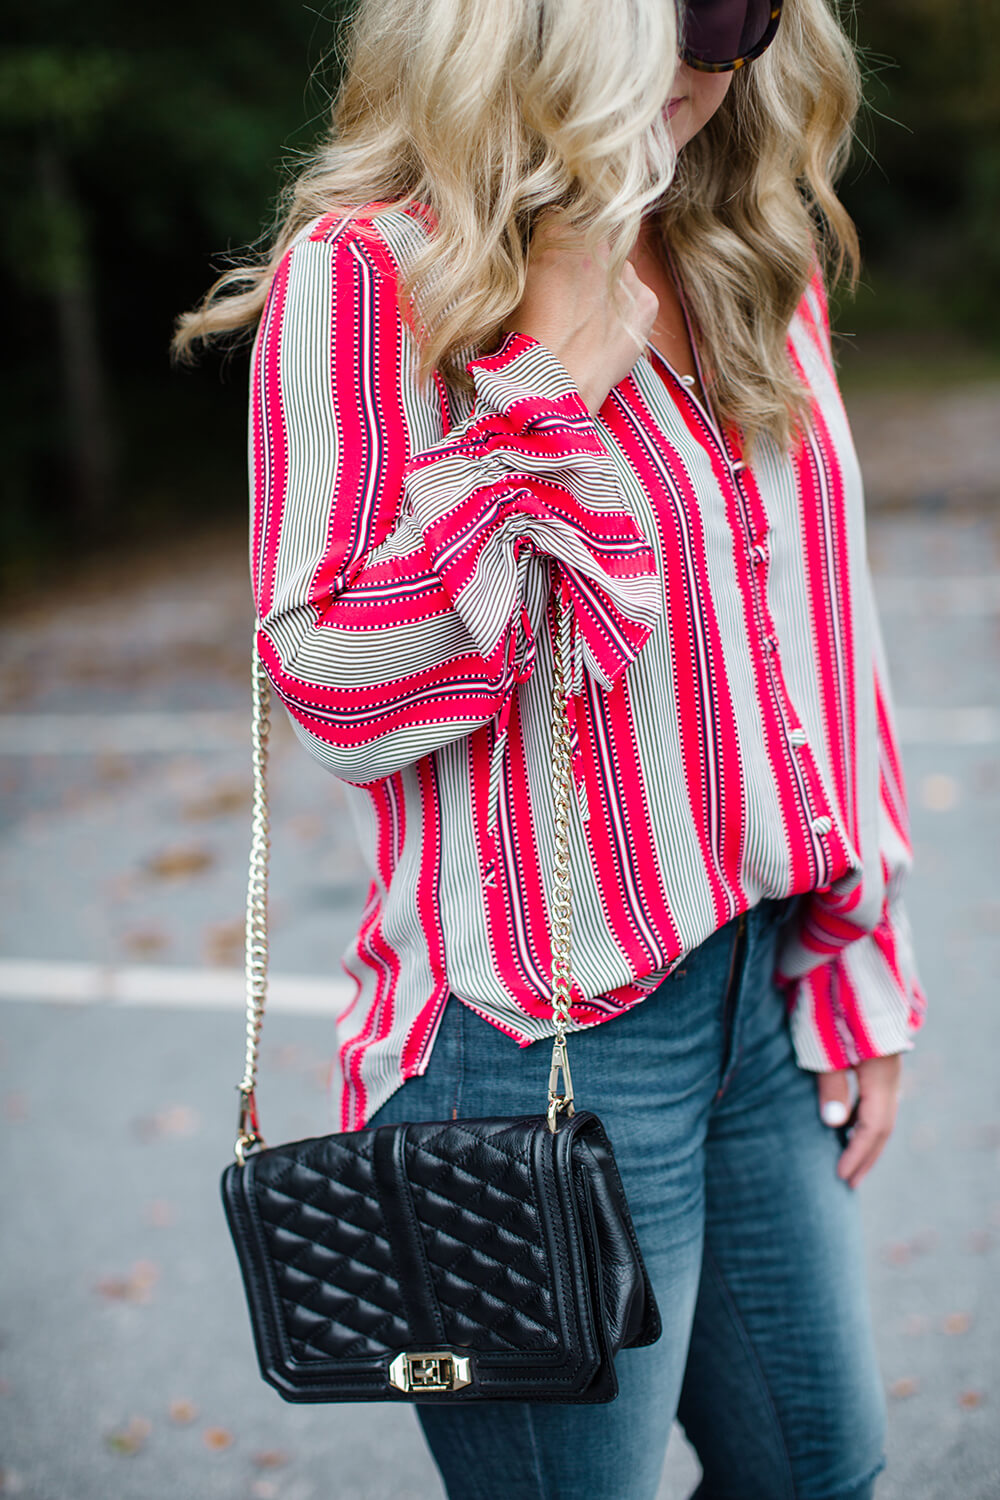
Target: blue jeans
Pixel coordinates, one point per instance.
(752, 1242)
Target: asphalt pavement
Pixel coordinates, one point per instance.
(126, 1365)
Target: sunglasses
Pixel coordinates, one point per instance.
(717, 36)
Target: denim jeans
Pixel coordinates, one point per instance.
(752, 1242)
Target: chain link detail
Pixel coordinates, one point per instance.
(560, 1098)
(561, 1102)
(248, 1132)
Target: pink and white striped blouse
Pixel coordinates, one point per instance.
(731, 722)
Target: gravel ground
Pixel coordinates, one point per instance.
(126, 1368)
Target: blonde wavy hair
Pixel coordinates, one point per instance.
(492, 111)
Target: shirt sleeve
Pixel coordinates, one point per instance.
(389, 547)
(867, 1000)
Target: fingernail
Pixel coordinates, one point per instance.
(834, 1112)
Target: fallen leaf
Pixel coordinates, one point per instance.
(269, 1458)
(228, 797)
(144, 941)
(160, 1213)
(134, 1287)
(306, 826)
(224, 942)
(938, 792)
(217, 1437)
(970, 1399)
(131, 1438)
(121, 889)
(179, 862)
(180, 1119)
(284, 1055)
(987, 915)
(906, 1386)
(956, 1323)
(75, 798)
(114, 768)
(183, 1411)
(897, 1254)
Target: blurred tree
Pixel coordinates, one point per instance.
(137, 144)
(54, 101)
(924, 186)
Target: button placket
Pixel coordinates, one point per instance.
(755, 522)
(819, 822)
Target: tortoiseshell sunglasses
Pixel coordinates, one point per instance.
(717, 36)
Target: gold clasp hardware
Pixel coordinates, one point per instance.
(436, 1370)
(247, 1132)
(559, 1102)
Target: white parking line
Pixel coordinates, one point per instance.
(166, 986)
(121, 734)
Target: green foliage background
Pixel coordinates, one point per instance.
(137, 146)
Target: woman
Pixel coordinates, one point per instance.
(549, 311)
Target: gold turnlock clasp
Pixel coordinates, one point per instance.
(559, 1102)
(434, 1370)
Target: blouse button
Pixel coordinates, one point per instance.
(757, 553)
(796, 736)
(822, 825)
(688, 379)
(738, 465)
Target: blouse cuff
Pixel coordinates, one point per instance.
(867, 1001)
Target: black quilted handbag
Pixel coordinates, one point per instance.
(455, 1261)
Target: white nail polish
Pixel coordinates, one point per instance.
(834, 1112)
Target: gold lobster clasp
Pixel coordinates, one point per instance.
(560, 1101)
(247, 1131)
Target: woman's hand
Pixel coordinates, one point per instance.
(873, 1115)
(566, 307)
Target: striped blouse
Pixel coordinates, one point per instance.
(731, 720)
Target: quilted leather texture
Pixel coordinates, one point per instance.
(492, 1237)
(479, 1223)
(323, 1228)
(325, 1232)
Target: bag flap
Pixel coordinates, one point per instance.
(355, 1247)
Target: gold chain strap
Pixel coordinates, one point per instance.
(560, 1099)
(248, 1133)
